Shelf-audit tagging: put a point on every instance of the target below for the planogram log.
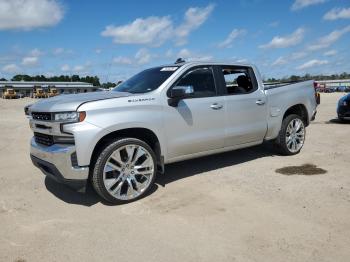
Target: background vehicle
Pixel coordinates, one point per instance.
(52, 92)
(343, 109)
(9, 93)
(39, 93)
(122, 138)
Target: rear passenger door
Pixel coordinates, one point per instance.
(245, 106)
(196, 124)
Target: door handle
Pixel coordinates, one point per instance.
(260, 102)
(216, 106)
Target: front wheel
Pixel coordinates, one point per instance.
(124, 171)
(291, 137)
(341, 119)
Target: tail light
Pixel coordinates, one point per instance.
(317, 94)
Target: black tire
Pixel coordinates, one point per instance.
(102, 157)
(280, 142)
(341, 119)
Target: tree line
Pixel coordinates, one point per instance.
(295, 78)
(62, 78)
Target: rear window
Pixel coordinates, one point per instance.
(147, 80)
(239, 80)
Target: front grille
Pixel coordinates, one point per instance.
(43, 139)
(42, 116)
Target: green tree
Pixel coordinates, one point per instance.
(108, 85)
(75, 78)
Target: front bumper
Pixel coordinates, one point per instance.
(58, 162)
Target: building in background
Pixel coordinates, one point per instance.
(23, 88)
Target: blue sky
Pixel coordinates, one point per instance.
(115, 39)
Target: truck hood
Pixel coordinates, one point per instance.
(63, 103)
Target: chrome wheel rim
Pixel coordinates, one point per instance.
(295, 135)
(128, 172)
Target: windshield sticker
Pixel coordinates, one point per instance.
(169, 68)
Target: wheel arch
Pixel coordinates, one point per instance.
(300, 110)
(144, 134)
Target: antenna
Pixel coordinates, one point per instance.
(179, 61)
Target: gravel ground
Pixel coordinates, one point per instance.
(227, 207)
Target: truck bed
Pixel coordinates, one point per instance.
(280, 97)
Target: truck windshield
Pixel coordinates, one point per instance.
(147, 80)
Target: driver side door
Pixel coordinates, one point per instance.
(197, 123)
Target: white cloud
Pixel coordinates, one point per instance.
(61, 51)
(10, 68)
(122, 60)
(143, 56)
(279, 61)
(36, 52)
(65, 68)
(300, 4)
(235, 33)
(184, 53)
(189, 56)
(30, 61)
(194, 18)
(274, 24)
(330, 53)
(169, 53)
(154, 30)
(286, 41)
(29, 14)
(242, 60)
(98, 51)
(58, 51)
(283, 60)
(298, 55)
(328, 40)
(312, 63)
(79, 68)
(337, 13)
(202, 58)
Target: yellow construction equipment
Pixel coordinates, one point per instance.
(9, 93)
(39, 93)
(52, 92)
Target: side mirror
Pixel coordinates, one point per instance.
(180, 92)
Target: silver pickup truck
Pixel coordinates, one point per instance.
(120, 139)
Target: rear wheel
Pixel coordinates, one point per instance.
(291, 137)
(124, 171)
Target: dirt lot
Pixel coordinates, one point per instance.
(228, 207)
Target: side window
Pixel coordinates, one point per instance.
(238, 80)
(202, 81)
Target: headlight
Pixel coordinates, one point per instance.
(70, 116)
(26, 109)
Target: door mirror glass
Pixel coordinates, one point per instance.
(182, 91)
